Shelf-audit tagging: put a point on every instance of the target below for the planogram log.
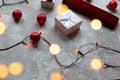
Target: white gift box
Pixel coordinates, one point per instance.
(68, 22)
(47, 4)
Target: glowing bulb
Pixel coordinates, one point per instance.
(15, 68)
(29, 4)
(96, 24)
(1, 16)
(61, 8)
(55, 76)
(27, 45)
(54, 49)
(2, 28)
(96, 64)
(3, 71)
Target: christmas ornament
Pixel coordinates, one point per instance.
(41, 18)
(17, 14)
(34, 38)
(105, 17)
(49, 0)
(112, 5)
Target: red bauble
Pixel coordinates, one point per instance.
(41, 18)
(112, 5)
(49, 0)
(34, 38)
(17, 14)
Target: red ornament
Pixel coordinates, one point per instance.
(49, 0)
(17, 14)
(112, 5)
(34, 38)
(41, 18)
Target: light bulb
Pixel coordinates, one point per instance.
(54, 49)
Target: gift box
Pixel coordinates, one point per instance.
(68, 22)
(47, 4)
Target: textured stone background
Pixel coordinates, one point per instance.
(38, 62)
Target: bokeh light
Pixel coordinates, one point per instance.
(15, 68)
(55, 76)
(2, 28)
(54, 49)
(29, 4)
(3, 71)
(61, 8)
(96, 64)
(96, 24)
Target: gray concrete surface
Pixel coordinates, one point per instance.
(38, 62)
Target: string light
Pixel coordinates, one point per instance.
(2, 28)
(96, 24)
(96, 64)
(55, 49)
(8, 4)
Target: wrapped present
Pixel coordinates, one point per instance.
(48, 4)
(68, 22)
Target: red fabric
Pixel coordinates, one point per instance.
(91, 11)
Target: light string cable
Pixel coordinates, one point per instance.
(8, 4)
(79, 57)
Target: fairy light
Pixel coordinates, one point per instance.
(1, 16)
(61, 8)
(55, 76)
(15, 68)
(27, 45)
(3, 71)
(29, 4)
(96, 64)
(54, 49)
(96, 24)
(2, 28)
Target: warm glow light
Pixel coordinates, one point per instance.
(29, 4)
(96, 24)
(15, 68)
(27, 45)
(1, 16)
(54, 49)
(96, 64)
(61, 8)
(3, 71)
(76, 51)
(55, 76)
(2, 28)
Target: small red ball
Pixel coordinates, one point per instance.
(49, 0)
(41, 18)
(17, 14)
(112, 5)
(35, 37)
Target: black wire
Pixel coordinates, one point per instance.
(21, 42)
(80, 55)
(46, 41)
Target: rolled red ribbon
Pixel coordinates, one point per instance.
(85, 8)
